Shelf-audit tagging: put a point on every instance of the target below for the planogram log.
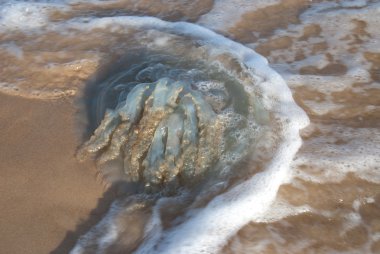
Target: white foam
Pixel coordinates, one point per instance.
(227, 12)
(281, 209)
(26, 15)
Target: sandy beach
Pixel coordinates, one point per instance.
(47, 195)
(56, 58)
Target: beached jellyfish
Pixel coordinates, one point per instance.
(170, 129)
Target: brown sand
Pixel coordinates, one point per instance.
(46, 194)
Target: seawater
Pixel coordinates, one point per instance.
(322, 199)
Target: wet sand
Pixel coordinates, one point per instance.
(47, 195)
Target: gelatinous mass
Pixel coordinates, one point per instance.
(171, 127)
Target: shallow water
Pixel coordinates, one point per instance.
(328, 199)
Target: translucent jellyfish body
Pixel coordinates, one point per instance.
(171, 128)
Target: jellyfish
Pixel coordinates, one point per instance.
(170, 132)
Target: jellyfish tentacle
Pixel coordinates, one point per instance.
(175, 126)
(190, 137)
(155, 157)
(129, 113)
(102, 134)
(134, 104)
(165, 94)
(206, 118)
(205, 112)
(133, 174)
(119, 137)
(159, 94)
